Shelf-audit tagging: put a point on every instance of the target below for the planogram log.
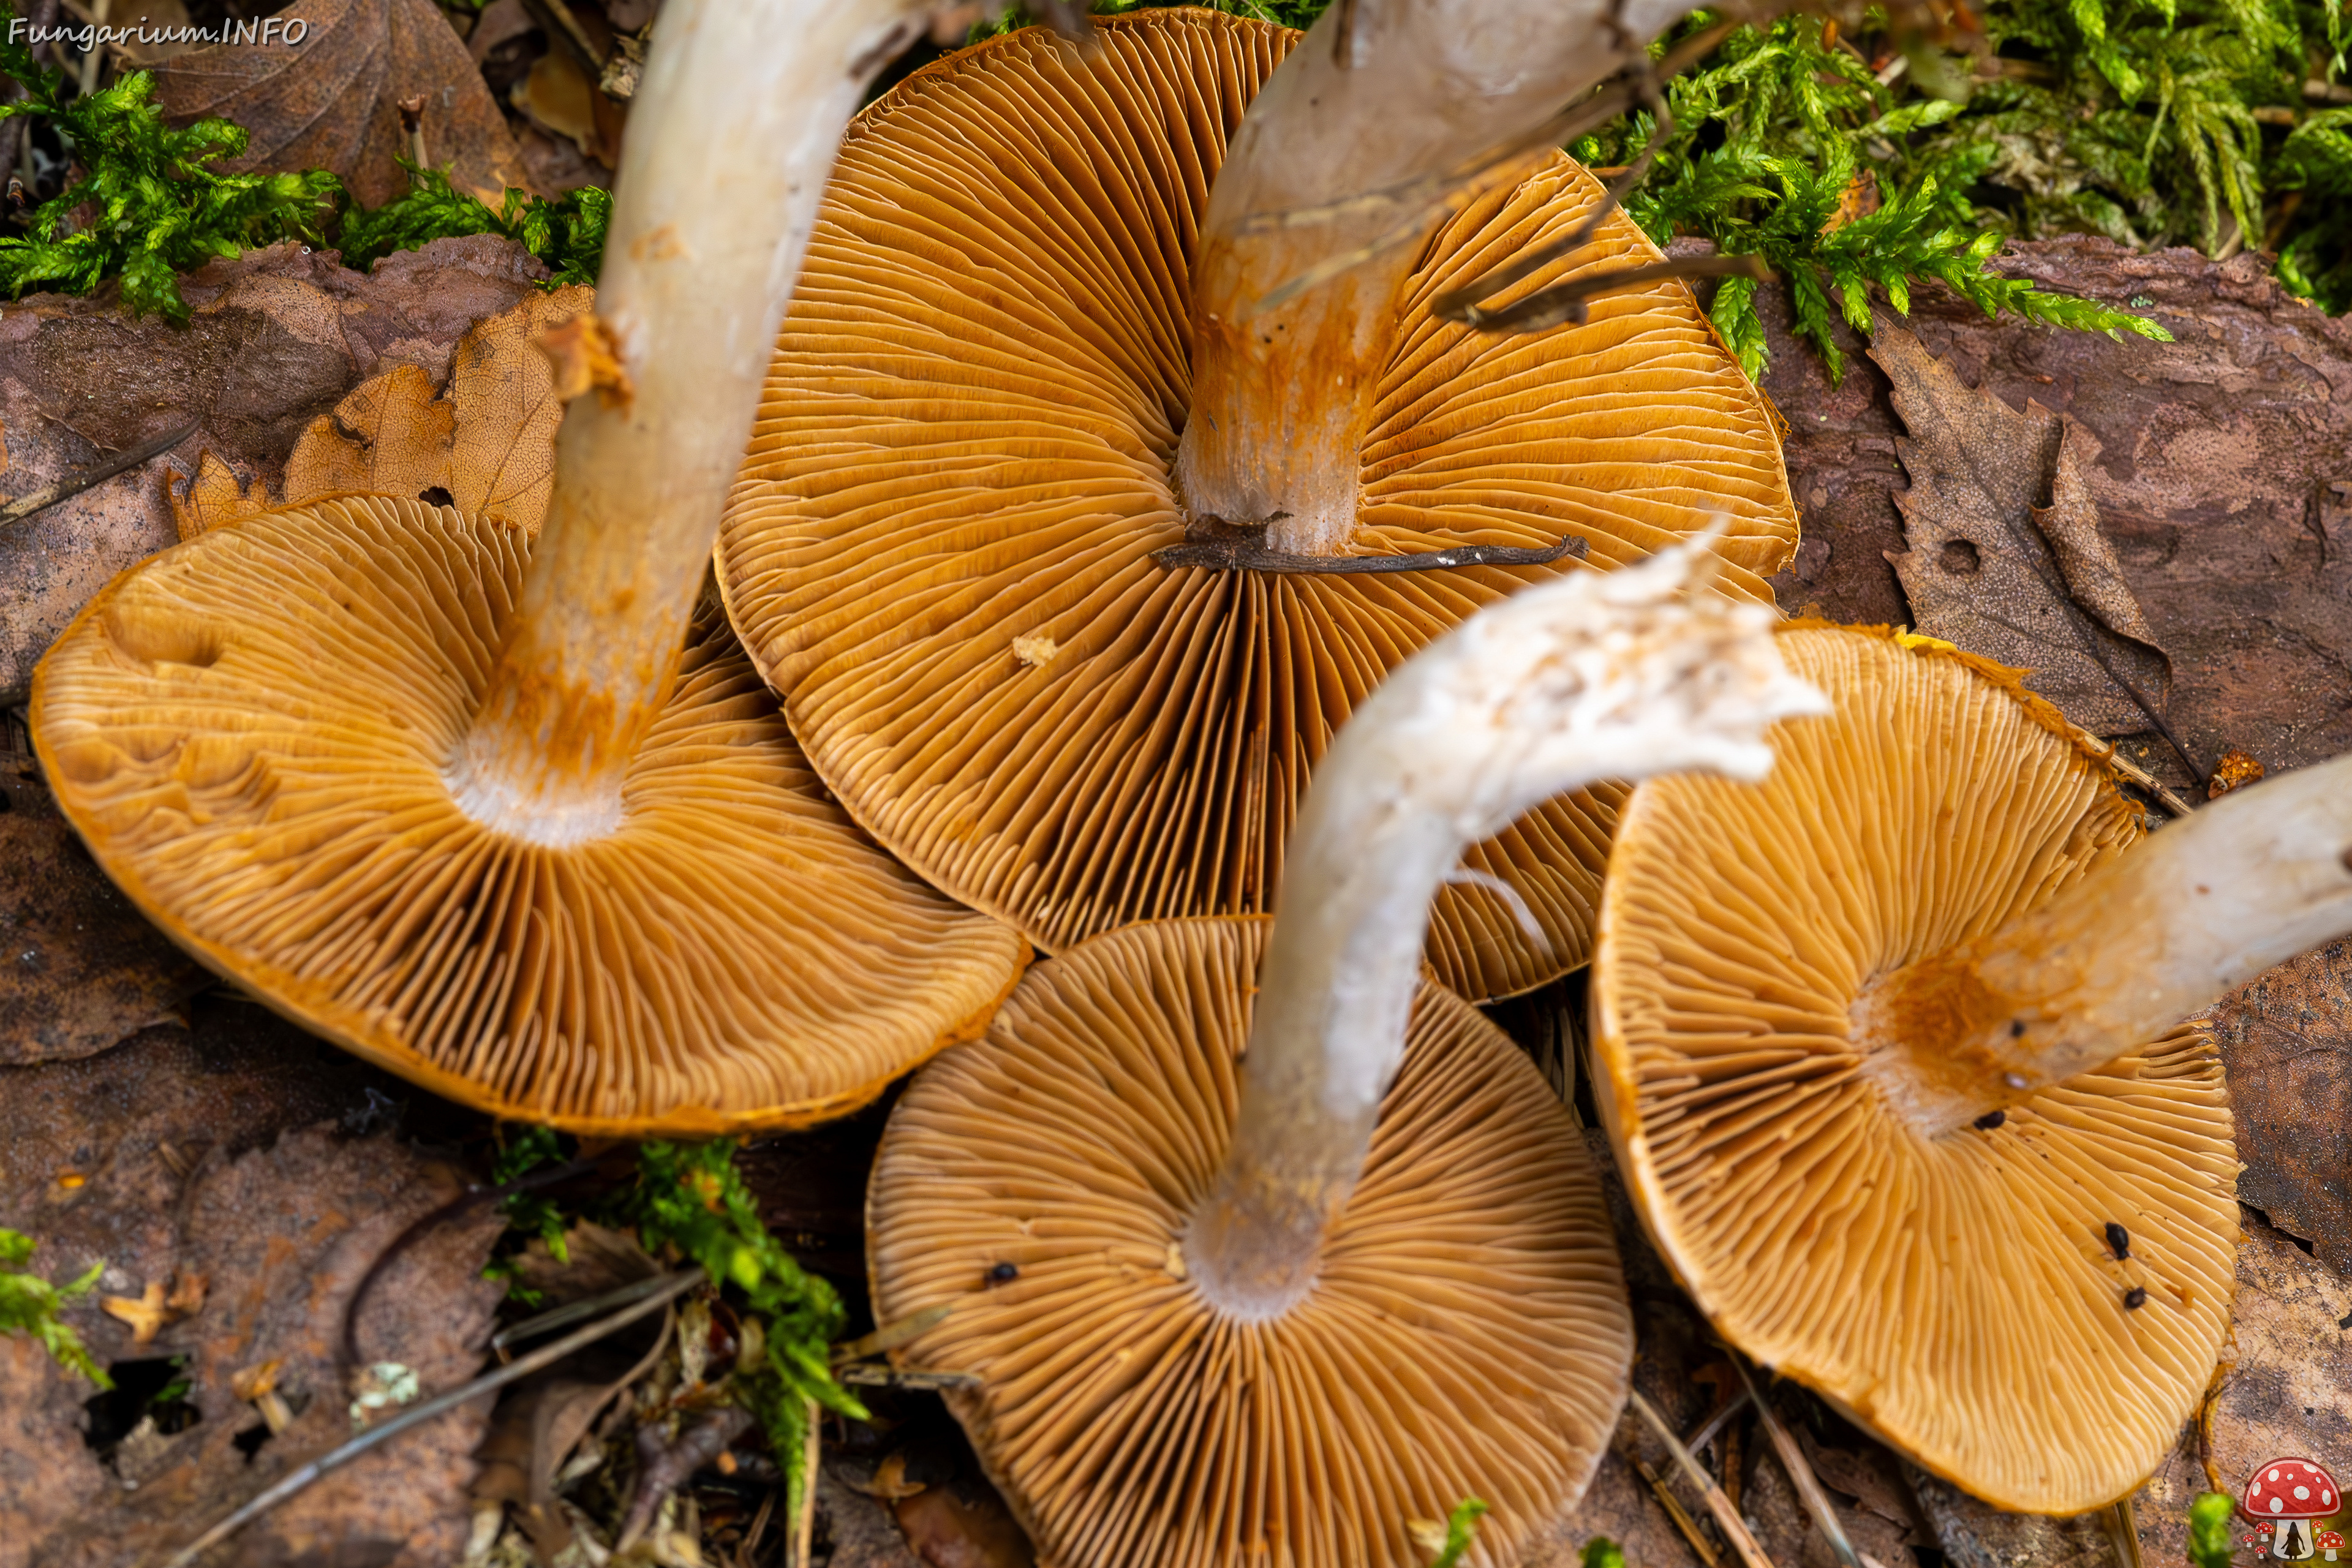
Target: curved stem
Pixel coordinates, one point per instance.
(1381, 94)
(1572, 680)
(733, 135)
(2196, 911)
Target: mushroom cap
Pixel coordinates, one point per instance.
(2294, 1488)
(1467, 1334)
(939, 551)
(1955, 1295)
(251, 731)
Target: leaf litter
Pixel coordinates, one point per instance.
(332, 100)
(403, 421)
(1995, 571)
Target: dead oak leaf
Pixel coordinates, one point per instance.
(484, 444)
(2286, 1040)
(212, 497)
(145, 1312)
(331, 101)
(1992, 570)
(389, 436)
(81, 968)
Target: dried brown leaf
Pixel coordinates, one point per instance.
(331, 102)
(859, 1530)
(203, 1155)
(539, 1421)
(212, 497)
(2286, 1039)
(275, 339)
(487, 443)
(560, 100)
(80, 969)
(962, 1525)
(389, 436)
(1991, 569)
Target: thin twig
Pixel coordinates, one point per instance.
(473, 1197)
(1245, 555)
(1809, 1486)
(2123, 1532)
(1715, 1423)
(865, 1376)
(2205, 1425)
(1726, 1518)
(890, 1336)
(547, 1323)
(664, 1466)
(1673, 1505)
(343, 1454)
(1564, 301)
(748, 1546)
(2113, 755)
(97, 473)
(812, 1455)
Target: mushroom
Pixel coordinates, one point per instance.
(2284, 1497)
(494, 815)
(1218, 1315)
(1891, 1051)
(962, 548)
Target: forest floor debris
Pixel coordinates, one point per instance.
(216, 1145)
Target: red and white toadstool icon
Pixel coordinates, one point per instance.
(2331, 1541)
(2288, 1495)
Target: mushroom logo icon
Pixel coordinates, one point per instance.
(2284, 1498)
(2331, 1541)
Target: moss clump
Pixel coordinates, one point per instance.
(29, 1305)
(1786, 144)
(566, 232)
(150, 205)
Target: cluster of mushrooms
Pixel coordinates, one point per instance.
(1125, 460)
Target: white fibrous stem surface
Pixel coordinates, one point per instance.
(2190, 915)
(731, 138)
(1281, 397)
(1614, 676)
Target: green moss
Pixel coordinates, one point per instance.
(29, 1305)
(689, 1197)
(1776, 137)
(566, 232)
(158, 207)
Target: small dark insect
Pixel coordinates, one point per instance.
(1004, 1273)
(2118, 1241)
(2134, 1299)
(2016, 1028)
(1992, 1118)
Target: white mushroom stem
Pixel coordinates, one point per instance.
(1592, 677)
(1380, 94)
(2185, 917)
(731, 136)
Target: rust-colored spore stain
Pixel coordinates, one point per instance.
(1936, 1009)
